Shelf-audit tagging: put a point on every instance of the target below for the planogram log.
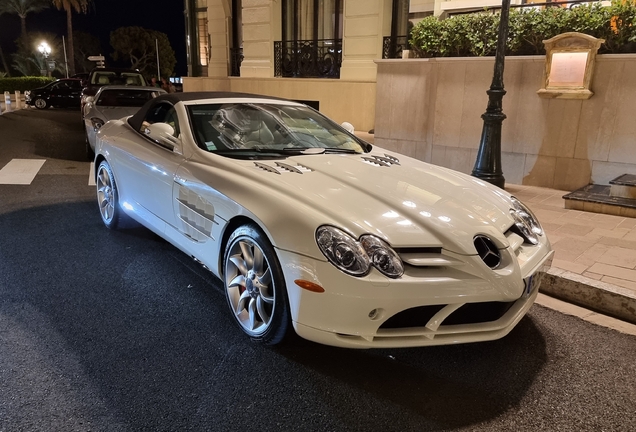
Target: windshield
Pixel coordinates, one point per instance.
(262, 127)
(125, 97)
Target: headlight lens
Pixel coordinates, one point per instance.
(97, 123)
(342, 250)
(526, 221)
(382, 256)
(356, 257)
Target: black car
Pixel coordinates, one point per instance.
(64, 92)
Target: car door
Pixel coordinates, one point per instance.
(146, 168)
(56, 93)
(74, 93)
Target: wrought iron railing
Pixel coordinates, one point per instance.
(236, 58)
(392, 47)
(308, 58)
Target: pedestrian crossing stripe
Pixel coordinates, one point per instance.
(91, 175)
(23, 171)
(20, 171)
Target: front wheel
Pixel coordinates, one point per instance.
(107, 197)
(255, 286)
(41, 103)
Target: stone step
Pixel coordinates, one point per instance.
(598, 199)
(624, 186)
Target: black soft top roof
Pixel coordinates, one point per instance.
(174, 98)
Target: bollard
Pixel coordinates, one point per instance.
(7, 101)
(18, 101)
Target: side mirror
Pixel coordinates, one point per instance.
(89, 99)
(348, 127)
(163, 134)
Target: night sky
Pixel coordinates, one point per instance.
(103, 17)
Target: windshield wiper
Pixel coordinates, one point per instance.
(316, 150)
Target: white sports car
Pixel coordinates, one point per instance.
(310, 227)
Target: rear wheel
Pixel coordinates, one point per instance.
(107, 197)
(41, 103)
(255, 286)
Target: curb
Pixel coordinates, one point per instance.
(595, 295)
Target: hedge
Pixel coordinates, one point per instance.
(476, 34)
(23, 83)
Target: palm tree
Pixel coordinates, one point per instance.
(22, 8)
(80, 6)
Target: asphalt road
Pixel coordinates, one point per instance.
(118, 331)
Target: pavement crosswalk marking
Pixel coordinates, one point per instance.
(20, 171)
(91, 175)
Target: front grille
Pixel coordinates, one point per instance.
(487, 251)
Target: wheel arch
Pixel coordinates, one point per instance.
(230, 227)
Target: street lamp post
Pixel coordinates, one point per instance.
(45, 50)
(488, 163)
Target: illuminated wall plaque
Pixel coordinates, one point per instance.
(569, 65)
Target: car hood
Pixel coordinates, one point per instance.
(115, 113)
(405, 201)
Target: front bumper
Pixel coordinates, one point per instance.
(434, 307)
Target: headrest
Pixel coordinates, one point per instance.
(103, 79)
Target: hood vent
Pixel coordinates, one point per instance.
(383, 161)
(283, 168)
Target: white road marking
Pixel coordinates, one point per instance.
(91, 175)
(20, 171)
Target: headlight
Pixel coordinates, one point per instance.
(97, 123)
(356, 257)
(382, 256)
(342, 250)
(525, 221)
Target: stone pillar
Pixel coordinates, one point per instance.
(219, 14)
(261, 27)
(366, 22)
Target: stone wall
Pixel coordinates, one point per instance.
(431, 109)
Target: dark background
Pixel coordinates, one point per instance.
(104, 16)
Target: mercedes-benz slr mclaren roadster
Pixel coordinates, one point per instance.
(311, 228)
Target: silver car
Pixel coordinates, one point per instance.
(111, 103)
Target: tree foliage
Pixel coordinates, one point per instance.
(28, 61)
(85, 45)
(476, 34)
(22, 8)
(138, 45)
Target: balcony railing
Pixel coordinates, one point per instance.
(308, 58)
(236, 57)
(392, 47)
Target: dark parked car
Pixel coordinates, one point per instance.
(64, 92)
(103, 76)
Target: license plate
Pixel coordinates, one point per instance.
(533, 281)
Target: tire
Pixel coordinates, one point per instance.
(255, 286)
(41, 103)
(108, 198)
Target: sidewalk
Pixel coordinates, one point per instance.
(3, 107)
(594, 264)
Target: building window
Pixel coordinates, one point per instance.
(398, 41)
(312, 39)
(197, 37)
